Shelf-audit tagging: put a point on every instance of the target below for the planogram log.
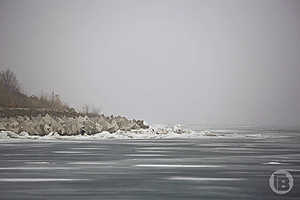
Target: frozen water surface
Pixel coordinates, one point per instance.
(225, 166)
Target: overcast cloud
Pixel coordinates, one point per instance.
(208, 62)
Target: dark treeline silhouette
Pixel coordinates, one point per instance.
(14, 102)
(12, 97)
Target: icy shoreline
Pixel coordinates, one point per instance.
(103, 135)
(87, 128)
(151, 133)
(98, 128)
(76, 125)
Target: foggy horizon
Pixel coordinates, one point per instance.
(213, 62)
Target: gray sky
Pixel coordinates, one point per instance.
(207, 62)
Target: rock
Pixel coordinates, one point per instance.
(178, 129)
(3, 135)
(125, 124)
(47, 129)
(44, 125)
(12, 124)
(23, 134)
(159, 131)
(47, 123)
(27, 126)
(103, 123)
(90, 127)
(53, 125)
(114, 126)
(12, 134)
(34, 126)
(57, 126)
(72, 127)
(2, 127)
(20, 119)
(141, 124)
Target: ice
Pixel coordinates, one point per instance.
(90, 163)
(204, 179)
(144, 155)
(39, 179)
(176, 166)
(272, 163)
(154, 132)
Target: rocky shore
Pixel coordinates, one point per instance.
(66, 125)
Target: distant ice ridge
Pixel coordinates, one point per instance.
(154, 132)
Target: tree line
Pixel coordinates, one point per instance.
(11, 96)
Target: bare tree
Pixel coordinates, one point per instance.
(11, 95)
(9, 81)
(85, 109)
(96, 110)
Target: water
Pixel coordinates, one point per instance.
(203, 168)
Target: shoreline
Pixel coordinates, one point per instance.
(69, 124)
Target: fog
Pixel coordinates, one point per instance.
(207, 62)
